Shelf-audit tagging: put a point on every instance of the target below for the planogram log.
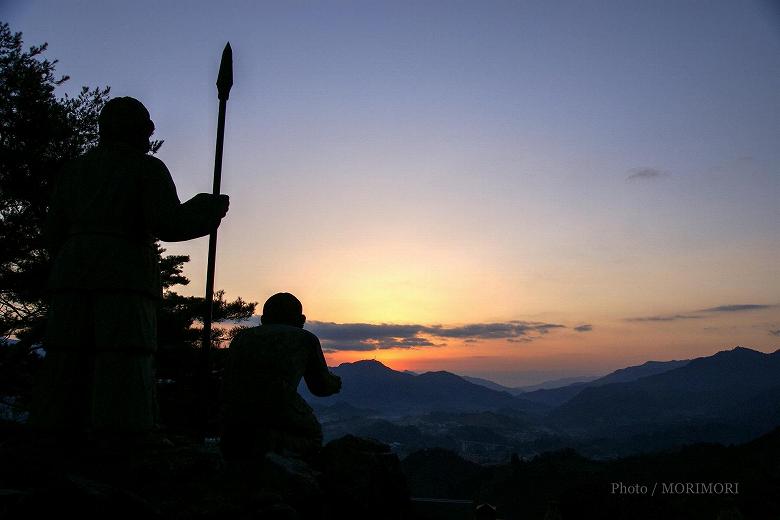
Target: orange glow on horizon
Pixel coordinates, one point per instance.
(610, 346)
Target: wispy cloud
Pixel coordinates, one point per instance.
(701, 313)
(368, 336)
(737, 308)
(674, 317)
(636, 174)
(584, 328)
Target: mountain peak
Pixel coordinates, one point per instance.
(739, 351)
(743, 349)
(737, 356)
(366, 364)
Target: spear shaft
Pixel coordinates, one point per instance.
(224, 83)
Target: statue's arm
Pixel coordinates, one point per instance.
(319, 379)
(172, 221)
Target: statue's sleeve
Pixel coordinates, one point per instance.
(166, 217)
(317, 376)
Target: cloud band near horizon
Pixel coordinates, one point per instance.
(368, 336)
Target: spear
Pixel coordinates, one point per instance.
(224, 83)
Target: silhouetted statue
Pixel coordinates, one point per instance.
(263, 410)
(108, 208)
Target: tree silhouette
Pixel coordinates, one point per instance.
(38, 133)
(180, 319)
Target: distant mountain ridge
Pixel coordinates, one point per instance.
(487, 383)
(709, 390)
(558, 396)
(520, 390)
(556, 383)
(371, 385)
(729, 397)
(557, 392)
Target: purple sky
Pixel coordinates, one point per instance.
(612, 164)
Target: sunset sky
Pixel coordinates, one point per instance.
(516, 190)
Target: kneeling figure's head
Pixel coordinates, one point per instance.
(283, 309)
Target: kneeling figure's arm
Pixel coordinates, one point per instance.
(319, 379)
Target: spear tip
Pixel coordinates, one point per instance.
(225, 76)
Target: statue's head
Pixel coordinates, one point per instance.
(126, 120)
(283, 309)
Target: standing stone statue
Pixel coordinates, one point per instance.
(263, 411)
(108, 208)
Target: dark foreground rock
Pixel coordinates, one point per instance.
(364, 479)
(705, 481)
(180, 478)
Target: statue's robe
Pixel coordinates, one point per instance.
(108, 208)
(262, 408)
